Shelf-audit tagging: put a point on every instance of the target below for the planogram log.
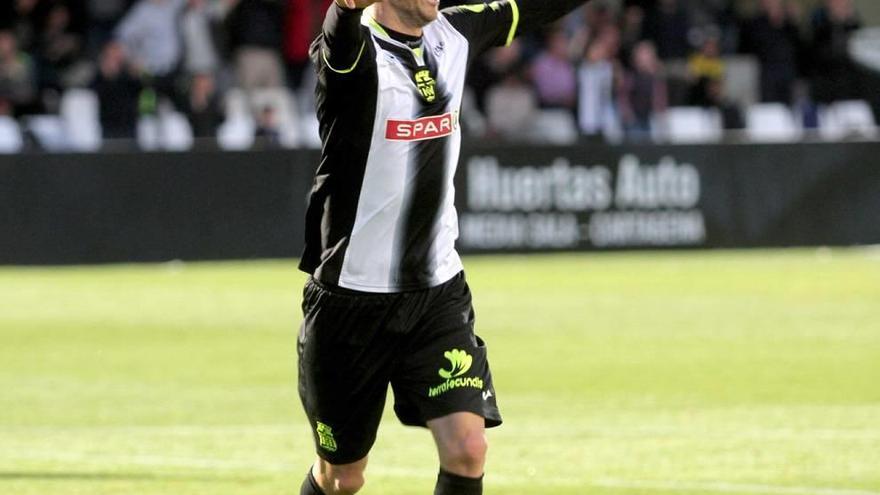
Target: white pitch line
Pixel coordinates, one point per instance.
(284, 429)
(237, 465)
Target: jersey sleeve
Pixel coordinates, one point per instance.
(342, 42)
(497, 23)
(487, 24)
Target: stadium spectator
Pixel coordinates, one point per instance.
(644, 92)
(23, 18)
(268, 132)
(833, 23)
(719, 18)
(597, 78)
(577, 34)
(17, 75)
(152, 41)
(492, 68)
(553, 74)
(773, 36)
(712, 91)
(59, 47)
(804, 106)
(6, 108)
(707, 61)
(511, 106)
(200, 52)
(704, 66)
(118, 88)
(667, 24)
(597, 16)
(180, 48)
(632, 24)
(256, 38)
(103, 17)
(202, 107)
(297, 38)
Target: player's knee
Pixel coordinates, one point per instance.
(346, 482)
(341, 480)
(467, 455)
(474, 449)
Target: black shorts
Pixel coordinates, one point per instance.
(353, 344)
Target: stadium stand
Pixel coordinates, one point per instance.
(49, 131)
(79, 74)
(688, 125)
(80, 115)
(10, 135)
(772, 122)
(844, 119)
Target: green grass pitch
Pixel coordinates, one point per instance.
(618, 374)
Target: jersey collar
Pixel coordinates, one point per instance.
(416, 48)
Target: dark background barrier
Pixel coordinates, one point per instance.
(682, 196)
(152, 206)
(61, 209)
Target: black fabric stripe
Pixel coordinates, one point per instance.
(482, 30)
(427, 173)
(346, 107)
(403, 54)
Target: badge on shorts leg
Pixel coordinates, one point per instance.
(460, 362)
(325, 437)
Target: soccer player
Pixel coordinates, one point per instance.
(387, 301)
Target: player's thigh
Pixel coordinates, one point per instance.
(345, 363)
(445, 367)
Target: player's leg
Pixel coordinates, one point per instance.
(444, 382)
(461, 446)
(345, 364)
(329, 479)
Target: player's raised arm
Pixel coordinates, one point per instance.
(498, 22)
(537, 13)
(342, 40)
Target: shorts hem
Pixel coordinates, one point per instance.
(339, 460)
(491, 416)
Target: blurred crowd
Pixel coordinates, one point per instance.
(620, 64)
(611, 64)
(137, 55)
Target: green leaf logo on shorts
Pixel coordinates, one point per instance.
(461, 363)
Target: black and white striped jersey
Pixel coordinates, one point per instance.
(381, 215)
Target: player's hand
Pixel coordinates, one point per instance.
(356, 4)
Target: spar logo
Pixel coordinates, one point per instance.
(460, 362)
(422, 129)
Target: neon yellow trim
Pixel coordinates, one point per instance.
(480, 8)
(378, 27)
(476, 9)
(344, 71)
(514, 24)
